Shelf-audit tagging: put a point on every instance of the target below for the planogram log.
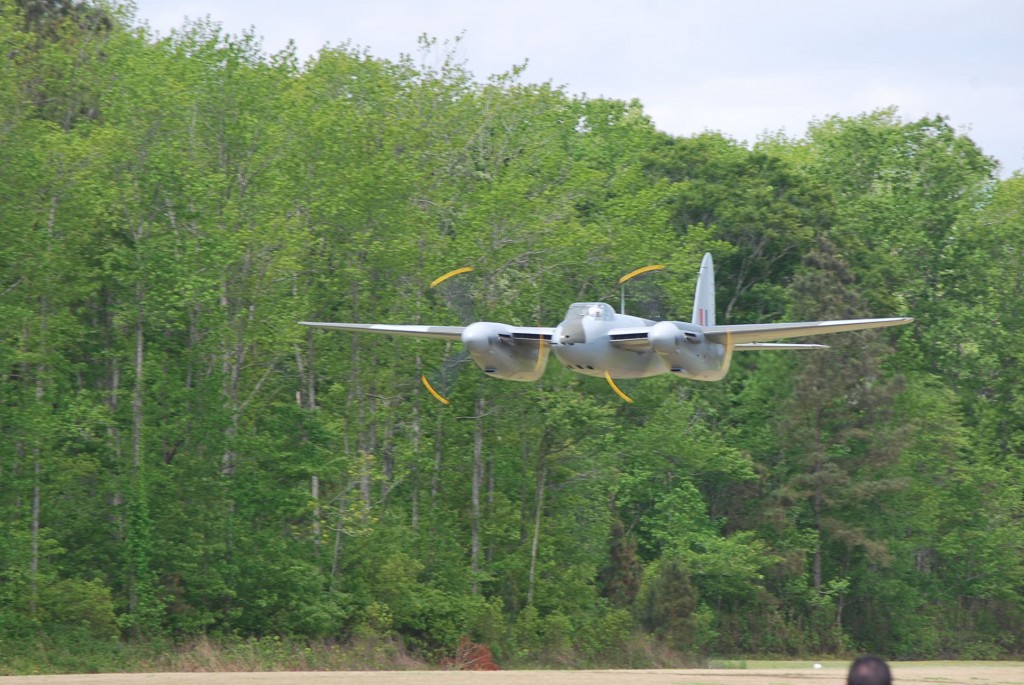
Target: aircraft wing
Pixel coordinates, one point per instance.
(525, 335)
(437, 332)
(764, 332)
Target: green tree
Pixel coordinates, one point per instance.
(837, 438)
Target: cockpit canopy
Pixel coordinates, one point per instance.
(591, 310)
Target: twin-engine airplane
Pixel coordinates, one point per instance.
(595, 341)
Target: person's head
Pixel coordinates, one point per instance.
(869, 670)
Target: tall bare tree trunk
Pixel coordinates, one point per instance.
(387, 457)
(40, 393)
(314, 494)
(817, 499)
(33, 566)
(489, 465)
(137, 388)
(229, 371)
(339, 538)
(113, 405)
(538, 513)
(435, 480)
(306, 398)
(354, 398)
(311, 373)
(138, 363)
(478, 476)
(417, 441)
(417, 429)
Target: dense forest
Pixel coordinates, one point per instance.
(181, 461)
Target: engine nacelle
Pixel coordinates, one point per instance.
(496, 351)
(670, 337)
(683, 347)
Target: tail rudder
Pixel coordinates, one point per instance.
(704, 296)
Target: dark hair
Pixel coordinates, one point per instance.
(869, 670)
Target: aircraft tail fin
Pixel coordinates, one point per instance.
(704, 297)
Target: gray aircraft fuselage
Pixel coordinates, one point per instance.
(583, 343)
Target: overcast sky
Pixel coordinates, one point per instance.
(742, 67)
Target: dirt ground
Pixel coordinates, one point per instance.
(978, 673)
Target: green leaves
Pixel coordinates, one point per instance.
(183, 459)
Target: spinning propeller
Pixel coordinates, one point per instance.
(459, 300)
(622, 310)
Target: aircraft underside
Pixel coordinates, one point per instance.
(601, 359)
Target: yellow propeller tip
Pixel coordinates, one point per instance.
(430, 389)
(454, 272)
(624, 396)
(642, 270)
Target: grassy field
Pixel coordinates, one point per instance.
(732, 672)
